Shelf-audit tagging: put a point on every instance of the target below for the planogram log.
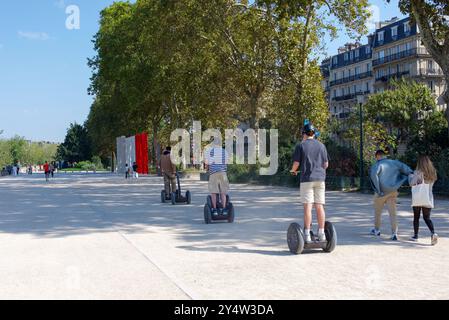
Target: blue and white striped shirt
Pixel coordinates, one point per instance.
(217, 160)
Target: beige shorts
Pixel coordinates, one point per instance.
(313, 192)
(218, 183)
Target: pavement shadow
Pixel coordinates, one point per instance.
(83, 204)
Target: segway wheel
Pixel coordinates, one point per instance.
(209, 201)
(207, 214)
(231, 214)
(295, 238)
(163, 196)
(188, 197)
(331, 237)
(173, 198)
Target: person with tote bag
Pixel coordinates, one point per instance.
(422, 181)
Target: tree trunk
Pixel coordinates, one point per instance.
(253, 111)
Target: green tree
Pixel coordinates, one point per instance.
(76, 146)
(405, 115)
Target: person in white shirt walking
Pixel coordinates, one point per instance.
(425, 173)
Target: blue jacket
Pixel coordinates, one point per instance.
(388, 176)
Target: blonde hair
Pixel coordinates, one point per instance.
(425, 166)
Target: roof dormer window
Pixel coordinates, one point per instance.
(407, 27)
(394, 32)
(380, 36)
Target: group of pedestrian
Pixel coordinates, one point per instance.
(386, 176)
(132, 171)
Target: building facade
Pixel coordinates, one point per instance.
(394, 50)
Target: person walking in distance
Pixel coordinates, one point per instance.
(425, 175)
(127, 171)
(135, 168)
(46, 170)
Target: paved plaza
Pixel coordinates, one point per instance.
(97, 236)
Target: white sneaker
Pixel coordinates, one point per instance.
(434, 239)
(375, 232)
(307, 237)
(322, 237)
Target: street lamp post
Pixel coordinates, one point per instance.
(360, 100)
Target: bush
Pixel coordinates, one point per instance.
(85, 165)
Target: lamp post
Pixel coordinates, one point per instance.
(360, 100)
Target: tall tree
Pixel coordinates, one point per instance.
(76, 146)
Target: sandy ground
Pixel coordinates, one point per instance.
(101, 237)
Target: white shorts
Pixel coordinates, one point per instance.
(313, 192)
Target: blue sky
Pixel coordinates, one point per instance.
(43, 72)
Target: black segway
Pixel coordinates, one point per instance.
(219, 216)
(297, 244)
(176, 197)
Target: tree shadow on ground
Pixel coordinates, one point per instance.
(84, 204)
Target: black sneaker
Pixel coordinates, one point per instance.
(214, 211)
(414, 238)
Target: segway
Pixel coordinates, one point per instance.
(297, 244)
(176, 197)
(219, 215)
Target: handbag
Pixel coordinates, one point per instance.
(421, 196)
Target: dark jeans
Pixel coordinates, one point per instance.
(426, 217)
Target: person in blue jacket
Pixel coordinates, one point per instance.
(387, 176)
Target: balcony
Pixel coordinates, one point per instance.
(425, 72)
(349, 96)
(351, 78)
(367, 56)
(400, 55)
(344, 115)
(387, 78)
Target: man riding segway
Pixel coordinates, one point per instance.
(169, 173)
(311, 158)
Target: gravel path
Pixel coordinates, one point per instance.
(101, 237)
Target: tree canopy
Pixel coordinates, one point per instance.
(162, 64)
(76, 146)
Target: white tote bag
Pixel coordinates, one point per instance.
(421, 196)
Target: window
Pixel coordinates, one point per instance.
(408, 46)
(430, 65)
(349, 73)
(394, 32)
(346, 56)
(380, 36)
(357, 71)
(335, 60)
(431, 86)
(381, 54)
(367, 50)
(367, 86)
(407, 27)
(335, 76)
(356, 53)
(368, 67)
(335, 93)
(351, 55)
(355, 88)
(335, 109)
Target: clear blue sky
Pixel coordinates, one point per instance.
(43, 72)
